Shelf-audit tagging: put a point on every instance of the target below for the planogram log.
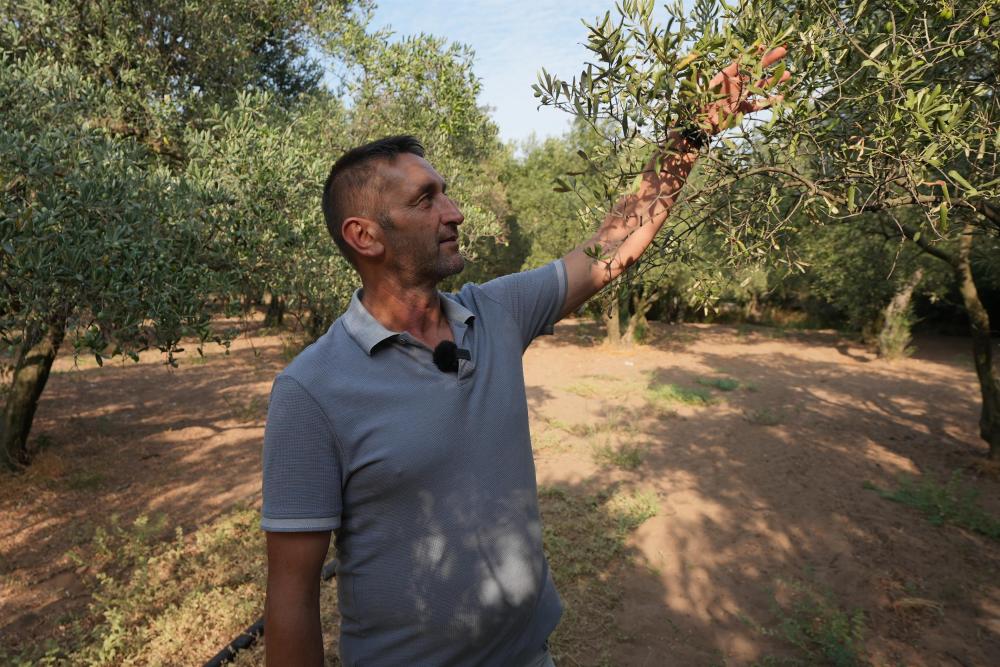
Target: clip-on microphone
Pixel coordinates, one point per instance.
(447, 354)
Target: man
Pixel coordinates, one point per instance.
(404, 429)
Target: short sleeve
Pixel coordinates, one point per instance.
(535, 298)
(302, 466)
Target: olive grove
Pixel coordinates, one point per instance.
(162, 164)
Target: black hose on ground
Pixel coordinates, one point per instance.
(246, 639)
(249, 637)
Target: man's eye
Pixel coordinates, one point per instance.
(425, 202)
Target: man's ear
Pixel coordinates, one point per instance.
(364, 236)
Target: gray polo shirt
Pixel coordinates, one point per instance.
(426, 478)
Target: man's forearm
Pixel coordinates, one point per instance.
(636, 219)
(632, 223)
(292, 632)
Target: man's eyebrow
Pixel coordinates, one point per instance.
(429, 188)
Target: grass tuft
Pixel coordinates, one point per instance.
(814, 623)
(84, 480)
(673, 393)
(633, 509)
(627, 456)
(722, 384)
(550, 441)
(763, 417)
(584, 390)
(952, 502)
(253, 410)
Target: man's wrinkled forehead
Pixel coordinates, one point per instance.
(409, 175)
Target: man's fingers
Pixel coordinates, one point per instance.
(765, 84)
(773, 56)
(757, 105)
(732, 70)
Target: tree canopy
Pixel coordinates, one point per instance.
(158, 164)
(891, 126)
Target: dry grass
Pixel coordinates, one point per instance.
(162, 599)
(585, 541)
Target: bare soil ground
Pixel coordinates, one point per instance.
(762, 452)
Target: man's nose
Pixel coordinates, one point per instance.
(452, 214)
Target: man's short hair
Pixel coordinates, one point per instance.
(351, 186)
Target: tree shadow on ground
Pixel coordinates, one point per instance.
(756, 512)
(759, 495)
(125, 441)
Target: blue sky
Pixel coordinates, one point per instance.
(513, 39)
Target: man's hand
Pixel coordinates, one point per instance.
(733, 86)
(292, 633)
(635, 219)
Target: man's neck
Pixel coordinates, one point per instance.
(416, 310)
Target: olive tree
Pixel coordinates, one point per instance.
(893, 109)
(98, 241)
(113, 234)
(270, 162)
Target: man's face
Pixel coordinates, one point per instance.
(421, 239)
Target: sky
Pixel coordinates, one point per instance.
(513, 40)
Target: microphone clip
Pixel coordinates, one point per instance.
(447, 354)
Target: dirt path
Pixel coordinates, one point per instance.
(757, 446)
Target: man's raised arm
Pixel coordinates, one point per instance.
(635, 219)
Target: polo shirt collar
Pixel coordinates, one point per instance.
(368, 332)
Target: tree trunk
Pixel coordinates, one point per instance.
(275, 315)
(31, 372)
(612, 321)
(316, 325)
(982, 350)
(643, 299)
(751, 312)
(894, 338)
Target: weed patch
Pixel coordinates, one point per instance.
(159, 600)
(722, 384)
(817, 626)
(763, 417)
(585, 544)
(952, 502)
(627, 456)
(673, 393)
(155, 602)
